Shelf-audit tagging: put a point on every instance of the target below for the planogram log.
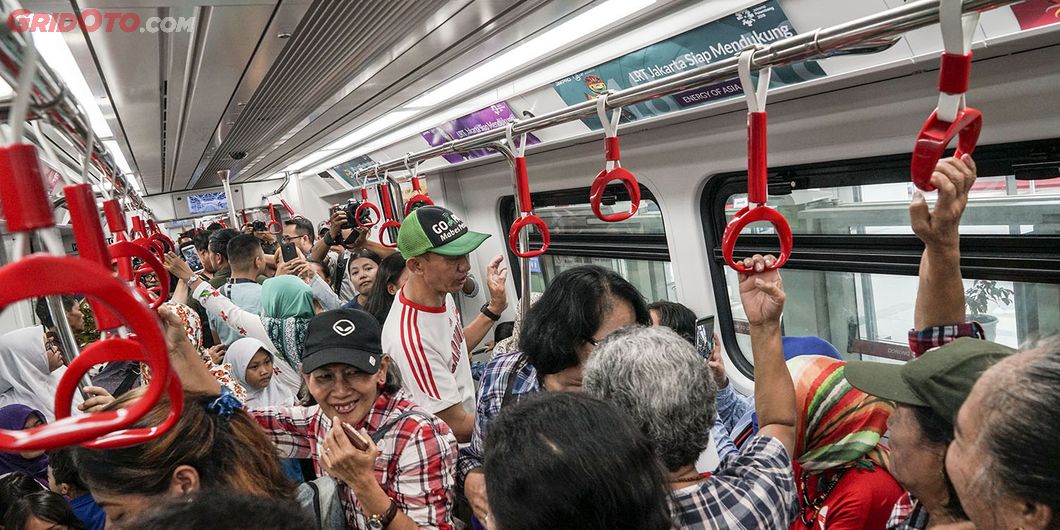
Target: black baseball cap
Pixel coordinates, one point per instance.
(941, 379)
(345, 336)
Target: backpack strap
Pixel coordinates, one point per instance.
(512, 376)
(383, 429)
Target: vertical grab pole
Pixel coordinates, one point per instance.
(223, 174)
(66, 338)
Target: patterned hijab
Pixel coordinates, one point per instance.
(839, 426)
(286, 309)
(193, 329)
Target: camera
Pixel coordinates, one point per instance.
(350, 208)
(259, 226)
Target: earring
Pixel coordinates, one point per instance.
(380, 384)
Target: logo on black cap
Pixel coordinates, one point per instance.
(343, 327)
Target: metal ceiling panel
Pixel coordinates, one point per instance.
(333, 39)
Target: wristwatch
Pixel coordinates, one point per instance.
(379, 522)
(489, 314)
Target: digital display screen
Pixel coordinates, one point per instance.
(214, 201)
(191, 257)
(705, 336)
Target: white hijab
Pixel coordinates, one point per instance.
(24, 375)
(282, 389)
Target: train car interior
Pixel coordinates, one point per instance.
(136, 131)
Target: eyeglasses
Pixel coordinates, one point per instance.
(288, 239)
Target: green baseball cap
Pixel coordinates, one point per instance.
(436, 229)
(941, 379)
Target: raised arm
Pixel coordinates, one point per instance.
(496, 276)
(762, 294)
(940, 295)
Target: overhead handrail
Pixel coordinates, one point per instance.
(525, 204)
(613, 169)
(757, 170)
(419, 197)
(865, 35)
(952, 117)
(388, 214)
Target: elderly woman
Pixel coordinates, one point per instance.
(580, 307)
(1005, 459)
(395, 463)
(667, 388)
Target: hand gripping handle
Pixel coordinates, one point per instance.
(935, 136)
(596, 193)
(418, 200)
(526, 206)
(125, 249)
(62, 275)
(746, 216)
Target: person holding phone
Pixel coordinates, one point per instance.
(395, 463)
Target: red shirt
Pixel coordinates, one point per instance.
(862, 500)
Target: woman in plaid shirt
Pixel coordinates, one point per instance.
(403, 478)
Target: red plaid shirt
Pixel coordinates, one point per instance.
(416, 466)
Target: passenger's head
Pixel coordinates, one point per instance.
(63, 477)
(1005, 459)
(674, 316)
(927, 392)
(219, 240)
(363, 266)
(580, 307)
(656, 377)
(320, 268)
(42, 510)
(299, 231)
(344, 366)
(203, 450)
(286, 296)
(245, 255)
(13, 486)
(435, 244)
(222, 509)
(201, 240)
(251, 362)
(72, 307)
(568, 461)
(838, 425)
(17, 417)
(389, 279)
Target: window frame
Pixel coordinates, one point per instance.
(1022, 258)
(649, 247)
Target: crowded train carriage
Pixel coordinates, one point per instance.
(364, 265)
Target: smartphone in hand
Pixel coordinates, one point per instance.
(355, 437)
(289, 252)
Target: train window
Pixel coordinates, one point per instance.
(635, 248)
(852, 279)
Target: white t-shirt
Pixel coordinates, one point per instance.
(427, 344)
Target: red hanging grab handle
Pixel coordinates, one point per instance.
(951, 118)
(91, 246)
(419, 197)
(388, 215)
(273, 223)
(290, 210)
(526, 205)
(366, 205)
(243, 212)
(613, 169)
(26, 204)
(155, 296)
(757, 173)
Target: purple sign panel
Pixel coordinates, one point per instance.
(495, 116)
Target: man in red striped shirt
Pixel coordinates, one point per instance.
(423, 331)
